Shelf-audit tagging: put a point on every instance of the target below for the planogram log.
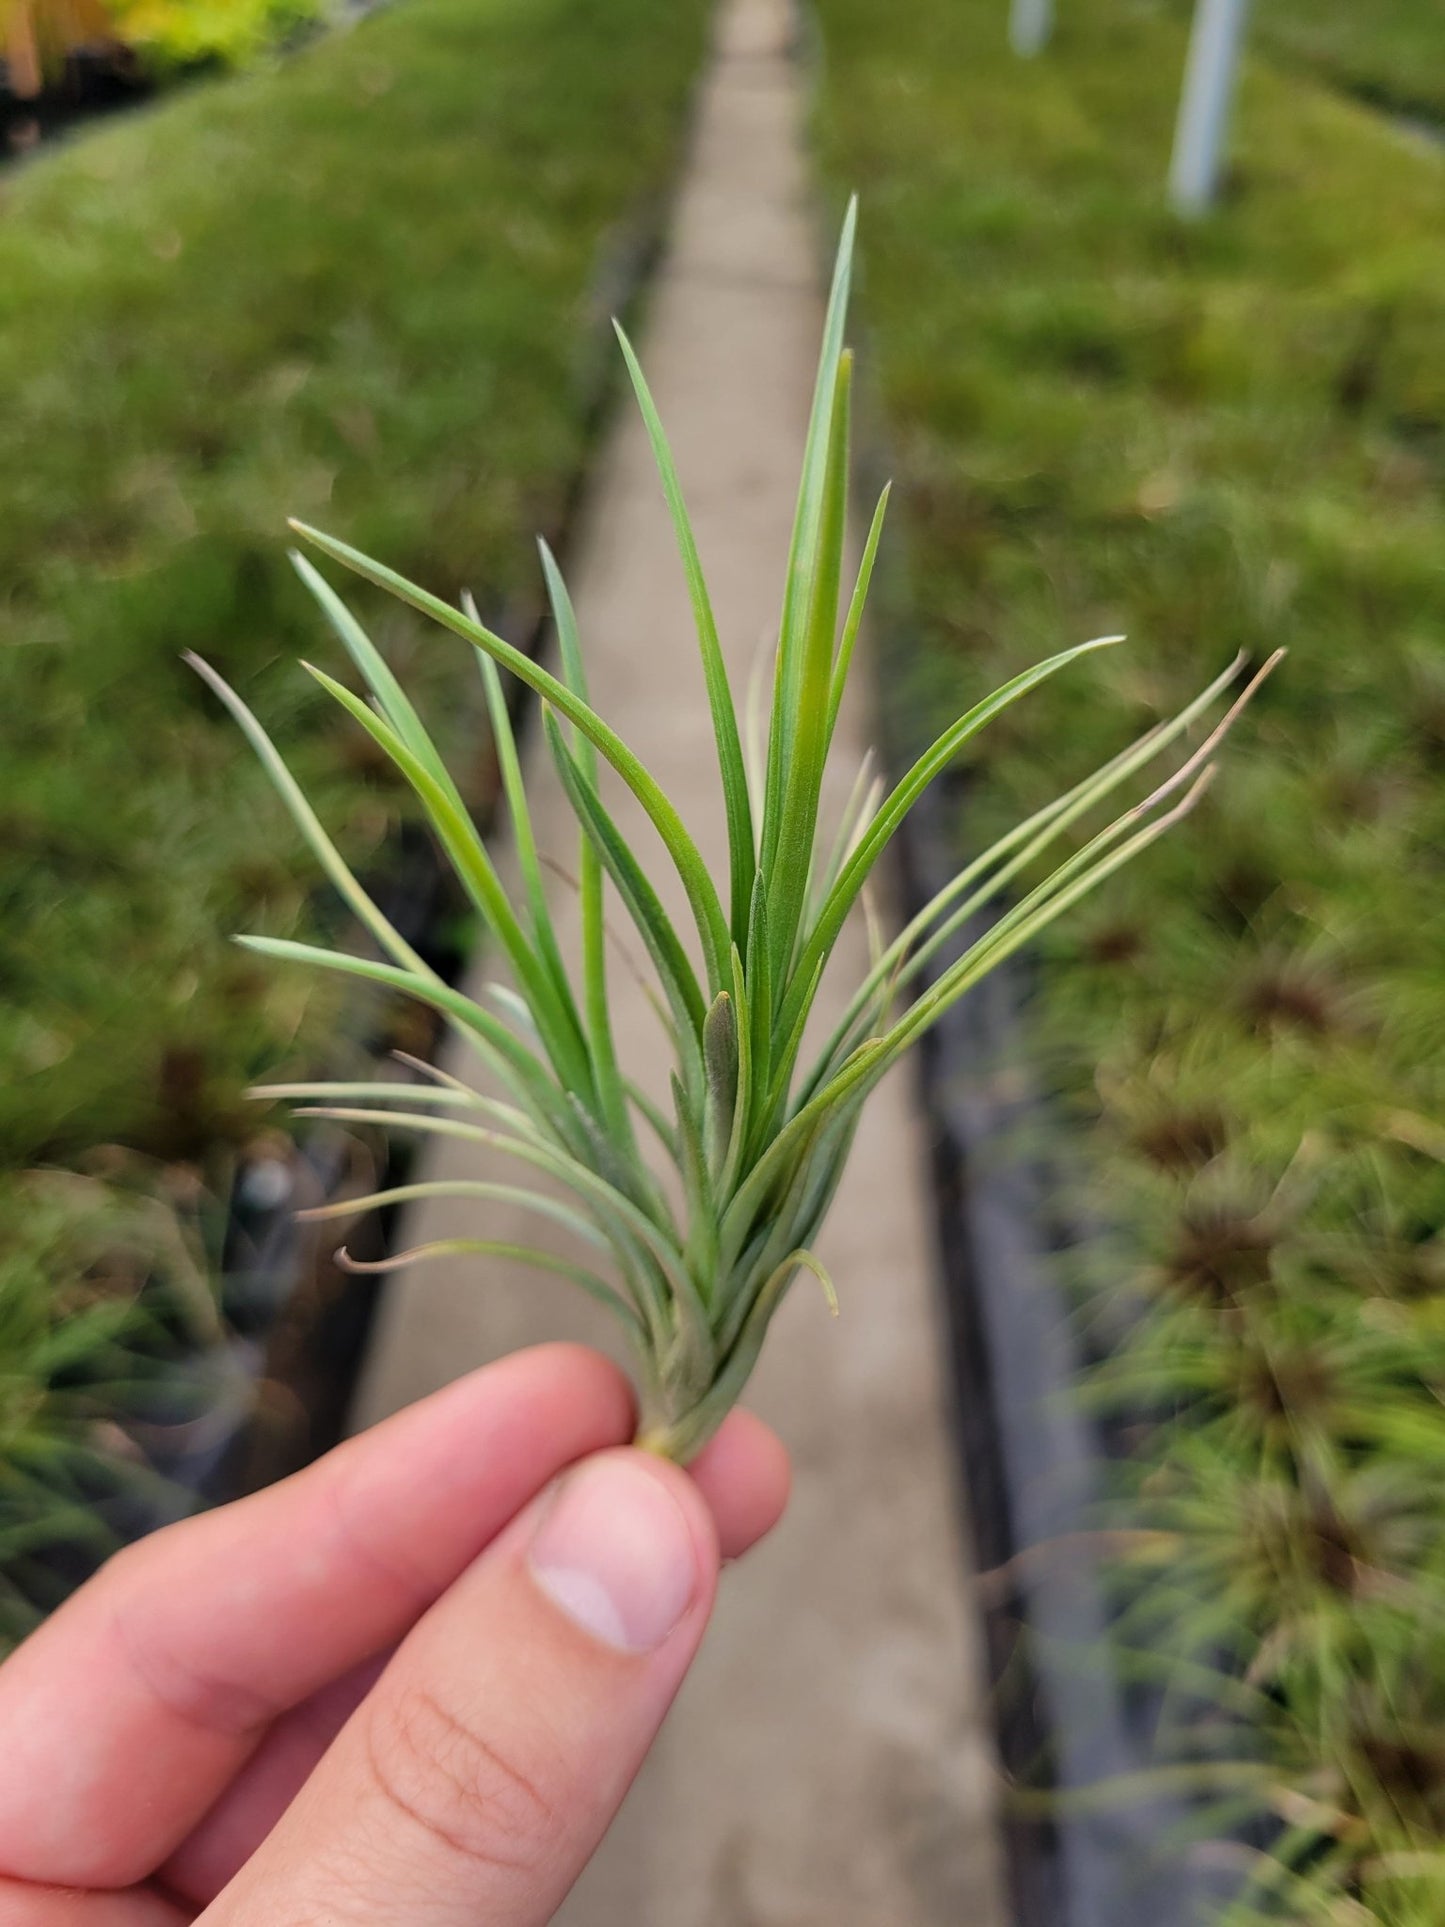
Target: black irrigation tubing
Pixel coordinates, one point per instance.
(279, 1390)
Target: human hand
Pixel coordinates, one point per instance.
(411, 1683)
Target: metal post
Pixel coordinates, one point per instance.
(1199, 137)
(1030, 24)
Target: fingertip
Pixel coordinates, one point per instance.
(745, 1476)
(627, 1547)
(579, 1377)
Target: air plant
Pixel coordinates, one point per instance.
(757, 1139)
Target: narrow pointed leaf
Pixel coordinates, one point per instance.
(540, 1202)
(597, 1014)
(700, 1251)
(396, 705)
(742, 852)
(803, 545)
(792, 863)
(594, 1286)
(720, 1064)
(524, 840)
(897, 805)
(853, 622)
(760, 989)
(473, 864)
(653, 924)
(703, 897)
(307, 821)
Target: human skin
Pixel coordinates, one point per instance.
(411, 1683)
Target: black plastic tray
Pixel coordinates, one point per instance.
(1032, 1466)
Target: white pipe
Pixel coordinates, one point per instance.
(1199, 138)
(1030, 24)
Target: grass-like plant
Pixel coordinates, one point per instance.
(756, 1138)
(100, 1292)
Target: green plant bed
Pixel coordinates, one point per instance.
(365, 285)
(1218, 438)
(1389, 51)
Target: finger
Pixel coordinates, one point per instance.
(263, 1789)
(474, 1782)
(127, 1713)
(24, 1906)
(743, 1475)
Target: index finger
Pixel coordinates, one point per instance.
(126, 1715)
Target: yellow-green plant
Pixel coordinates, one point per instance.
(196, 33)
(757, 1141)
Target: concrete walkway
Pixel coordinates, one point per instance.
(827, 1764)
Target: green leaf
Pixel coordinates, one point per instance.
(924, 935)
(700, 1251)
(504, 1055)
(785, 1057)
(897, 805)
(569, 644)
(470, 859)
(545, 937)
(760, 991)
(702, 896)
(774, 1167)
(642, 901)
(854, 619)
(594, 1286)
(859, 809)
(720, 1065)
(802, 550)
(742, 850)
(686, 1438)
(612, 1207)
(598, 1016)
(396, 705)
(307, 821)
(742, 1107)
(1040, 907)
(810, 717)
(540, 1202)
(445, 1097)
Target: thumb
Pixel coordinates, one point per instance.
(474, 1781)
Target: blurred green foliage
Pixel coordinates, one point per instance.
(362, 287)
(1220, 437)
(1390, 51)
(103, 1288)
(180, 34)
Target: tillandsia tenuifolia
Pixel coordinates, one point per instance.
(757, 1140)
